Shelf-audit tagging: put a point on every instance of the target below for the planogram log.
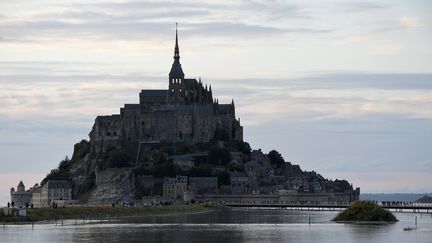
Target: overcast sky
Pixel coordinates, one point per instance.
(340, 87)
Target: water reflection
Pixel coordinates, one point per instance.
(226, 226)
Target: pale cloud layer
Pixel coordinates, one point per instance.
(342, 87)
(410, 22)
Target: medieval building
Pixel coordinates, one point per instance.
(52, 191)
(185, 112)
(41, 196)
(20, 197)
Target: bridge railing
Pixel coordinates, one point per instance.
(287, 203)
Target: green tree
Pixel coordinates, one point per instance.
(236, 167)
(164, 168)
(223, 178)
(221, 135)
(342, 185)
(276, 158)
(80, 150)
(219, 156)
(201, 171)
(118, 158)
(59, 173)
(244, 147)
(86, 187)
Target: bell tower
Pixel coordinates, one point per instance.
(176, 77)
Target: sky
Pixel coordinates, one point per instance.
(341, 87)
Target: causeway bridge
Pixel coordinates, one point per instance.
(402, 207)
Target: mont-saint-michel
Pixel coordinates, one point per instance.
(177, 146)
(250, 121)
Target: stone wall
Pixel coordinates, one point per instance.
(276, 199)
(21, 198)
(155, 121)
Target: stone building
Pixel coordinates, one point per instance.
(177, 187)
(201, 185)
(185, 162)
(20, 197)
(185, 112)
(36, 198)
(52, 190)
(174, 188)
(240, 183)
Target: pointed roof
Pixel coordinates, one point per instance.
(176, 69)
(176, 48)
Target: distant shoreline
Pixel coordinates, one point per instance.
(403, 197)
(100, 212)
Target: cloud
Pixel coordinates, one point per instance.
(144, 20)
(245, 8)
(354, 40)
(45, 30)
(385, 49)
(59, 92)
(361, 6)
(403, 23)
(376, 182)
(410, 22)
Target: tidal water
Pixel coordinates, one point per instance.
(225, 226)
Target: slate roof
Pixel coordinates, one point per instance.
(224, 108)
(132, 106)
(58, 184)
(176, 70)
(190, 82)
(203, 180)
(154, 92)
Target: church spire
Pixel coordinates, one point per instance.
(176, 49)
(176, 69)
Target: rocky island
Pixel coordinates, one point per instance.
(180, 145)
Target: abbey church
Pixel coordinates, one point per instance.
(185, 112)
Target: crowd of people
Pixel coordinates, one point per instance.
(396, 203)
(12, 205)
